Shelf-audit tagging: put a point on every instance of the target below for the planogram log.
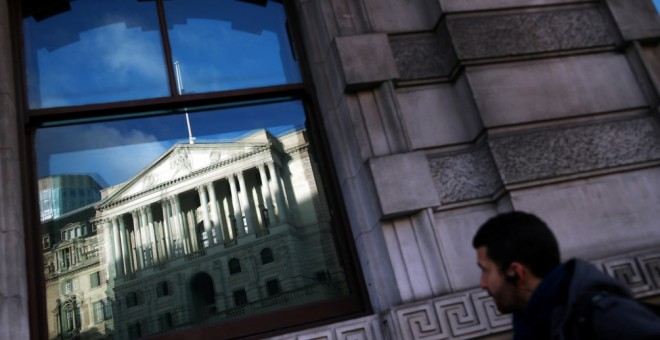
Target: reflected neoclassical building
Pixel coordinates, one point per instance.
(211, 231)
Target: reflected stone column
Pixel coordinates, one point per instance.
(215, 220)
(125, 244)
(155, 235)
(169, 249)
(56, 259)
(201, 191)
(139, 253)
(110, 247)
(236, 204)
(145, 233)
(114, 227)
(279, 195)
(265, 191)
(185, 242)
(247, 209)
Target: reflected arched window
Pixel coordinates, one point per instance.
(267, 256)
(234, 266)
(163, 289)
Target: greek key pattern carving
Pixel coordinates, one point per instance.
(640, 273)
(471, 314)
(463, 315)
(366, 328)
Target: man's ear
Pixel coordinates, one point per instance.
(515, 273)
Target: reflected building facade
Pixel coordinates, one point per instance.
(206, 232)
(76, 282)
(60, 194)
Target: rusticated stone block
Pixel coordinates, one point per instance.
(556, 152)
(402, 183)
(524, 33)
(366, 60)
(464, 176)
(425, 55)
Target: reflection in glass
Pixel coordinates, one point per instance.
(223, 45)
(184, 234)
(107, 51)
(95, 52)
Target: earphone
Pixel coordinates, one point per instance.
(513, 278)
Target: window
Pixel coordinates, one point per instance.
(266, 256)
(134, 330)
(273, 287)
(131, 300)
(240, 297)
(194, 120)
(234, 266)
(163, 289)
(45, 242)
(95, 279)
(165, 321)
(102, 310)
(70, 286)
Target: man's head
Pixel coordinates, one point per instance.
(514, 251)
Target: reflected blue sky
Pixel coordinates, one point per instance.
(118, 150)
(108, 51)
(657, 5)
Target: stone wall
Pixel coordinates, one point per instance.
(440, 114)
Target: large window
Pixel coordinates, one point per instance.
(179, 131)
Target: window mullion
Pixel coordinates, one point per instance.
(167, 50)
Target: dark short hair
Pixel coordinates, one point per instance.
(521, 237)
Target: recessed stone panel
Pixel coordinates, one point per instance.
(525, 33)
(564, 151)
(438, 115)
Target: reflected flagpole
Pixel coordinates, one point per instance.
(179, 86)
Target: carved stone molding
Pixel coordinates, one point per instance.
(565, 151)
(641, 273)
(464, 176)
(472, 313)
(464, 315)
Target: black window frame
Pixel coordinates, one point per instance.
(355, 304)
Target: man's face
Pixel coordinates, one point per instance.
(505, 293)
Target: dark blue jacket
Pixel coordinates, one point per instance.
(577, 301)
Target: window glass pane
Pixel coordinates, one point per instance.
(245, 192)
(94, 52)
(224, 45)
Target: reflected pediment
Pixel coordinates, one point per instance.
(186, 160)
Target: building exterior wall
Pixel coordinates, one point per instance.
(439, 114)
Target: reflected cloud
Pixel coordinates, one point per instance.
(113, 154)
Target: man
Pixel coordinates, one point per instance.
(521, 269)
